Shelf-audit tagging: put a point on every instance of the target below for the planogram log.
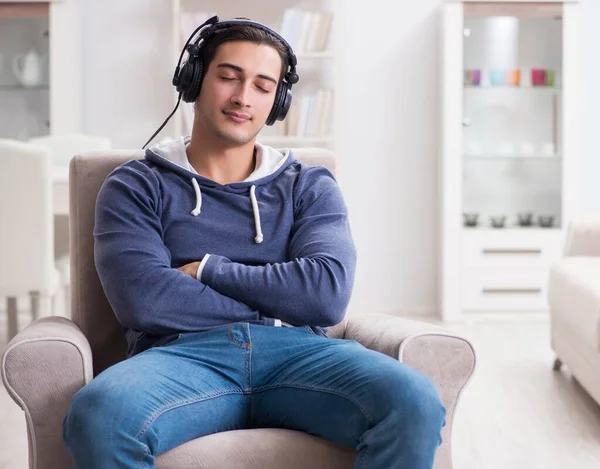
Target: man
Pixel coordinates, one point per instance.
(225, 261)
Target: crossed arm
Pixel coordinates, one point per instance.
(147, 294)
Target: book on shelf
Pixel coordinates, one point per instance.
(306, 30)
(309, 115)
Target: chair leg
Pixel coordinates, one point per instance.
(557, 365)
(12, 319)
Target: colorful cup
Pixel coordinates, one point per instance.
(472, 77)
(467, 79)
(513, 77)
(497, 77)
(538, 77)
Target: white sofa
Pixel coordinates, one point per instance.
(574, 300)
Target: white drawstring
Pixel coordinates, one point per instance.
(259, 235)
(196, 210)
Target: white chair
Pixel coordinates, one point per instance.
(62, 148)
(27, 264)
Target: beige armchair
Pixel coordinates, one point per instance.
(574, 300)
(47, 362)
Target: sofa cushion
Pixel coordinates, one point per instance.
(264, 448)
(574, 295)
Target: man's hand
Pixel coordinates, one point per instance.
(190, 269)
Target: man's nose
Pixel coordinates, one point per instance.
(240, 97)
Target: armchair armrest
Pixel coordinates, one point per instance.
(42, 368)
(583, 237)
(447, 359)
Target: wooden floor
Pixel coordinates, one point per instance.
(516, 413)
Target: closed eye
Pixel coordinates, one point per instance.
(260, 88)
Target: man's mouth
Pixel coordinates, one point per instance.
(236, 116)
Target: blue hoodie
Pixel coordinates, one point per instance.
(275, 248)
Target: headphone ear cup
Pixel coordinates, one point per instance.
(192, 90)
(281, 105)
(184, 78)
(287, 102)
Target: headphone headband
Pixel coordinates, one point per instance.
(215, 27)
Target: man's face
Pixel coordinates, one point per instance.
(238, 90)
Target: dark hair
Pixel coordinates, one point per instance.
(243, 33)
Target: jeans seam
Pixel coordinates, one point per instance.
(249, 374)
(173, 405)
(364, 457)
(233, 338)
(370, 420)
(248, 360)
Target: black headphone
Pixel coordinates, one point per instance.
(188, 76)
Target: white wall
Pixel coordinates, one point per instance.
(388, 149)
(590, 189)
(388, 136)
(127, 69)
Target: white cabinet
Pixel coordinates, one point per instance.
(506, 270)
(309, 27)
(40, 68)
(509, 152)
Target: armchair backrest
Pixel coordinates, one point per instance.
(89, 306)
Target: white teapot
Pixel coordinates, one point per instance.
(28, 68)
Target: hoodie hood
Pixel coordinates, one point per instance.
(268, 160)
(269, 164)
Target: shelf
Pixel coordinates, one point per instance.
(508, 87)
(23, 88)
(275, 139)
(513, 157)
(512, 229)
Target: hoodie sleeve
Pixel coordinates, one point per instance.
(134, 265)
(315, 287)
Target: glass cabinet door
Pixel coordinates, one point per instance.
(512, 159)
(24, 70)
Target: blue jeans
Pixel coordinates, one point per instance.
(253, 376)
